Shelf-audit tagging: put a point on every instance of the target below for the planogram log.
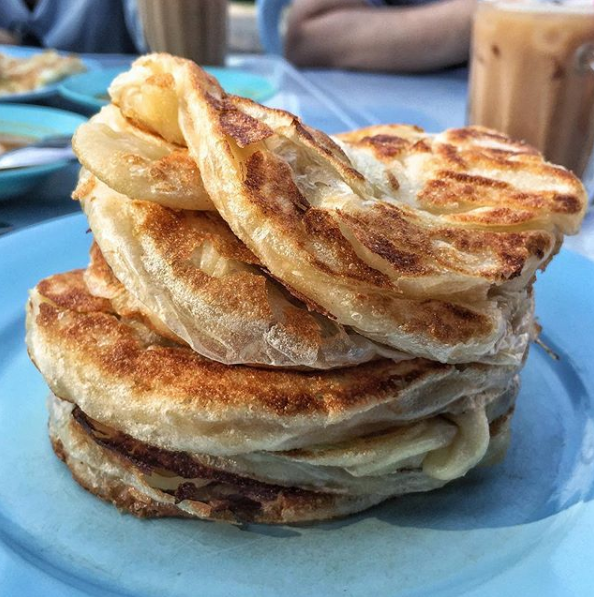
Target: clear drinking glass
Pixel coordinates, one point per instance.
(532, 76)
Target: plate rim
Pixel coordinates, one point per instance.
(82, 99)
(9, 176)
(90, 103)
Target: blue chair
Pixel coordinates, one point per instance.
(269, 16)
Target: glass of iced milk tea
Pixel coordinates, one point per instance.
(532, 75)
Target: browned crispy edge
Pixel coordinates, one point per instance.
(127, 499)
(276, 501)
(123, 497)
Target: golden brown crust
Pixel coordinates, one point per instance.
(178, 160)
(70, 292)
(396, 220)
(288, 509)
(244, 129)
(474, 167)
(124, 471)
(93, 467)
(180, 233)
(188, 270)
(79, 322)
(122, 496)
(386, 141)
(94, 358)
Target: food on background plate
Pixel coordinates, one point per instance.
(198, 367)
(8, 142)
(21, 75)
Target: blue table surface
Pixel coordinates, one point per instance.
(434, 101)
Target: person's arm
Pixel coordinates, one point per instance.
(352, 34)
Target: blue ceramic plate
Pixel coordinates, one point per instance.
(89, 90)
(524, 527)
(42, 92)
(35, 122)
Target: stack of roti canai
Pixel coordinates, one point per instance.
(279, 326)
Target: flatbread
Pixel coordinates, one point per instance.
(153, 483)
(139, 164)
(188, 273)
(129, 378)
(386, 265)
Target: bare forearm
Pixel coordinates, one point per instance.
(352, 35)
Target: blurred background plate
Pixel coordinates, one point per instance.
(89, 90)
(238, 82)
(47, 90)
(34, 122)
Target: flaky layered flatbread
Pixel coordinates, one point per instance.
(150, 482)
(386, 265)
(191, 276)
(128, 377)
(139, 164)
